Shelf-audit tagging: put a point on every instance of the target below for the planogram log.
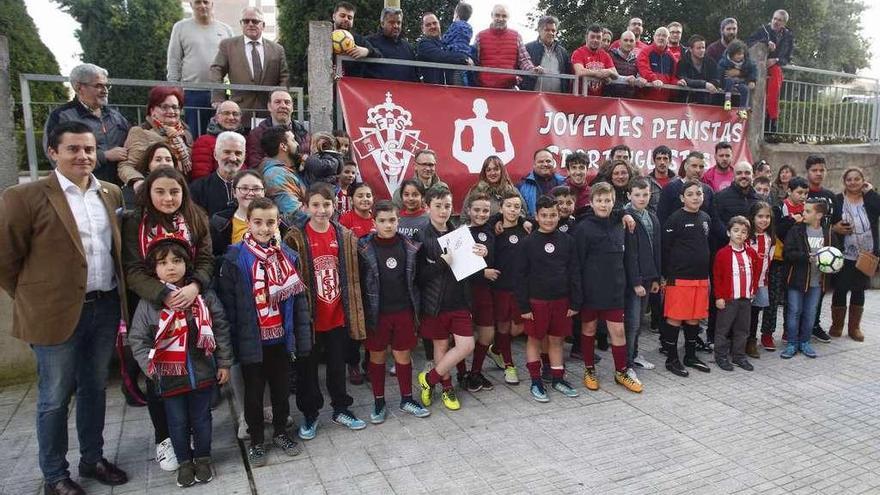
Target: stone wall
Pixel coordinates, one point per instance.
(839, 157)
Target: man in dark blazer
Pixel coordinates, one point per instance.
(547, 52)
(60, 261)
(250, 59)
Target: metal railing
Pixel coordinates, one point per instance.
(821, 106)
(31, 127)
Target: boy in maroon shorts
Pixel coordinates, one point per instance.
(387, 263)
(600, 246)
(548, 287)
(479, 206)
(444, 300)
(508, 323)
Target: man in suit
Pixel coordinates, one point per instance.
(249, 59)
(60, 261)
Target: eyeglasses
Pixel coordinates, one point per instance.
(169, 108)
(230, 113)
(99, 86)
(255, 22)
(250, 190)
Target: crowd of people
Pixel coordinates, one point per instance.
(249, 258)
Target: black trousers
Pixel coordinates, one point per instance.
(309, 400)
(273, 370)
(157, 412)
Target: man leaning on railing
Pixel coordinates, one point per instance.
(391, 42)
(780, 43)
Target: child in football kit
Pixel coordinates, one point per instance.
(600, 247)
(329, 265)
(346, 179)
(805, 281)
(763, 242)
(186, 353)
(685, 263)
(548, 288)
(444, 301)
(264, 299)
(735, 279)
(508, 323)
(391, 300)
(479, 207)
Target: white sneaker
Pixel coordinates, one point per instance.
(242, 433)
(643, 363)
(165, 456)
(631, 373)
(393, 369)
(429, 365)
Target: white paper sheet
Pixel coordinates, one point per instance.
(460, 245)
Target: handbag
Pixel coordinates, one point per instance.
(867, 263)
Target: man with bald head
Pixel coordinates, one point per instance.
(280, 114)
(249, 59)
(637, 28)
(502, 48)
(657, 66)
(624, 59)
(735, 199)
(227, 118)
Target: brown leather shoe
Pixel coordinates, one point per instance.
(752, 349)
(103, 472)
(838, 314)
(64, 487)
(854, 323)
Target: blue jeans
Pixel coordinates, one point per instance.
(198, 111)
(80, 365)
(740, 87)
(190, 412)
(633, 308)
(801, 314)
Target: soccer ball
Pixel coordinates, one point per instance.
(830, 259)
(342, 41)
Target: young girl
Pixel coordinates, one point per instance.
(343, 193)
(156, 156)
(360, 218)
(230, 225)
(481, 293)
(264, 299)
(414, 214)
(177, 345)
(163, 209)
(763, 242)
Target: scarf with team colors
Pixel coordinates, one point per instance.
(148, 235)
(275, 279)
(168, 356)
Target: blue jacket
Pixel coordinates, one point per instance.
(457, 37)
(642, 252)
(398, 48)
(432, 50)
(748, 68)
(530, 191)
(235, 288)
(369, 267)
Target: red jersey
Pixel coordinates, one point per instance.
(675, 51)
(343, 201)
(328, 286)
(359, 225)
(735, 273)
(764, 247)
(593, 60)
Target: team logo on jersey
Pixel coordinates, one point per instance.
(549, 247)
(327, 278)
(482, 236)
(391, 263)
(706, 228)
(563, 227)
(514, 239)
(390, 142)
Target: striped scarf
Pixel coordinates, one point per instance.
(168, 355)
(275, 279)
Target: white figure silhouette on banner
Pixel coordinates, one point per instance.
(390, 142)
(482, 127)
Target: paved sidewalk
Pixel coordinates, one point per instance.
(799, 426)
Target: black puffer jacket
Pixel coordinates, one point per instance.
(730, 202)
(370, 285)
(434, 275)
(600, 249)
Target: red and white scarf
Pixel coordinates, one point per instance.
(275, 279)
(168, 355)
(156, 233)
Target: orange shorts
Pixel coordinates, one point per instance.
(687, 300)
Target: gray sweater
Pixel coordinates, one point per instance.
(192, 48)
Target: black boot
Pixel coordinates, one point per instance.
(690, 349)
(669, 345)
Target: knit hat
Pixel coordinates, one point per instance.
(726, 21)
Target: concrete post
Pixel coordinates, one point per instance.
(758, 54)
(9, 164)
(320, 77)
(394, 4)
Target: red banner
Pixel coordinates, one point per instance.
(389, 121)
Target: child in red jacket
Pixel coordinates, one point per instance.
(736, 272)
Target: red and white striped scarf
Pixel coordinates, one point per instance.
(275, 279)
(148, 236)
(168, 355)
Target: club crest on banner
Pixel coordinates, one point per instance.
(390, 142)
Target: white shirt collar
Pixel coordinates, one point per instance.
(67, 183)
(247, 41)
